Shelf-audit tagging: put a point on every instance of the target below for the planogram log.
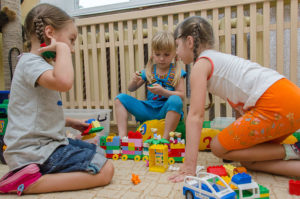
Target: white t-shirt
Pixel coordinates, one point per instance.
(237, 80)
(35, 116)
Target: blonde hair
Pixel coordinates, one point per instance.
(163, 41)
(42, 15)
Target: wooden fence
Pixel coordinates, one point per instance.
(111, 47)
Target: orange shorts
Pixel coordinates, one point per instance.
(276, 115)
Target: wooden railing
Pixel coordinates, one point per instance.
(111, 47)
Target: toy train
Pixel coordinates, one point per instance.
(133, 147)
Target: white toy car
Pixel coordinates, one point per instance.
(205, 186)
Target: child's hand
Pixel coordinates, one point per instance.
(185, 170)
(52, 46)
(137, 76)
(77, 124)
(156, 89)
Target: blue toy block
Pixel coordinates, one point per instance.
(241, 178)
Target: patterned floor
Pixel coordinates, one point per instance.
(154, 185)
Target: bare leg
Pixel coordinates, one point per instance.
(121, 117)
(279, 167)
(267, 157)
(72, 181)
(171, 122)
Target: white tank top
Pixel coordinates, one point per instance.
(237, 80)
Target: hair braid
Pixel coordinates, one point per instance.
(196, 37)
(39, 28)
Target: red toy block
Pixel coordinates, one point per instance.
(294, 187)
(218, 170)
(136, 135)
(86, 131)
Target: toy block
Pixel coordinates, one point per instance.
(89, 136)
(114, 142)
(138, 153)
(136, 134)
(124, 143)
(264, 192)
(103, 141)
(294, 187)
(218, 170)
(241, 178)
(137, 142)
(128, 152)
(95, 124)
(125, 148)
(103, 147)
(135, 179)
(87, 130)
(138, 148)
(131, 148)
(109, 138)
(125, 139)
(239, 170)
(229, 169)
(130, 144)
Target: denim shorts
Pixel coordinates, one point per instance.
(76, 156)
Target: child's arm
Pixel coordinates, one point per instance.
(76, 124)
(195, 118)
(136, 82)
(159, 90)
(62, 76)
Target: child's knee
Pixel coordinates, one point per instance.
(216, 148)
(107, 172)
(175, 101)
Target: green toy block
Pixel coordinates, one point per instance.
(297, 135)
(97, 129)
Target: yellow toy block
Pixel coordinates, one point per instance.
(130, 144)
(290, 140)
(95, 124)
(227, 180)
(109, 138)
(229, 169)
(158, 158)
(207, 135)
(89, 136)
(177, 146)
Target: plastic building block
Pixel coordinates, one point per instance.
(241, 178)
(207, 135)
(218, 170)
(48, 54)
(135, 179)
(294, 187)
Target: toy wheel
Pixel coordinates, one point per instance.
(182, 160)
(145, 158)
(115, 157)
(189, 195)
(171, 161)
(137, 158)
(124, 157)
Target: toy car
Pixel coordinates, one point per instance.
(205, 186)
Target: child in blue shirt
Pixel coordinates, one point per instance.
(165, 88)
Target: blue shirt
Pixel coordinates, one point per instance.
(165, 81)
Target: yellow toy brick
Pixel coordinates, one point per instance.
(290, 140)
(177, 146)
(130, 144)
(229, 169)
(89, 136)
(95, 124)
(158, 158)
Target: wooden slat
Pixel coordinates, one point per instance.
(78, 73)
(104, 79)
(266, 33)
(240, 32)
(131, 52)
(203, 13)
(294, 41)
(86, 67)
(141, 90)
(227, 16)
(279, 36)
(253, 32)
(150, 30)
(180, 17)
(95, 67)
(160, 23)
(113, 66)
(215, 26)
(170, 23)
(122, 57)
